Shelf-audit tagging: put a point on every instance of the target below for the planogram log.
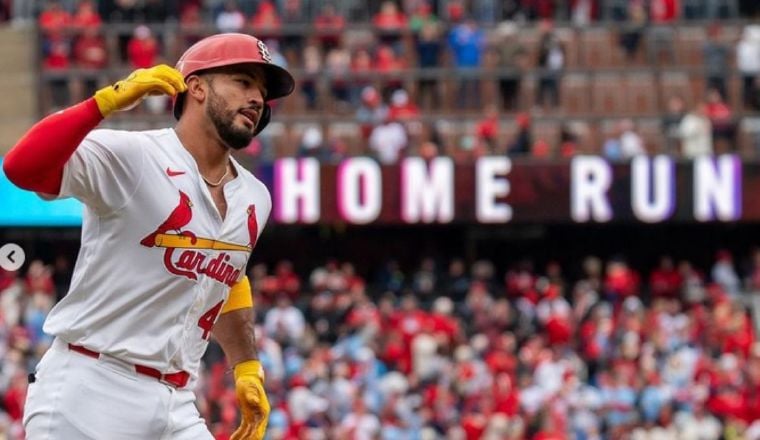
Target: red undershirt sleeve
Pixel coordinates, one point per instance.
(37, 160)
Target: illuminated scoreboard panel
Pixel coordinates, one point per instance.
(491, 190)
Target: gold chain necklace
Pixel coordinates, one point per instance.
(215, 184)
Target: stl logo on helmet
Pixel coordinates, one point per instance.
(192, 263)
(265, 55)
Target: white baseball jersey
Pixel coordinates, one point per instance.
(156, 261)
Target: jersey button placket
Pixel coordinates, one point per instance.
(210, 200)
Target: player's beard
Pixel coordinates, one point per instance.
(224, 121)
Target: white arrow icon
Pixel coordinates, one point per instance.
(11, 257)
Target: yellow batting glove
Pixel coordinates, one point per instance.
(125, 94)
(254, 405)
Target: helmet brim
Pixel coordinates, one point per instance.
(278, 81)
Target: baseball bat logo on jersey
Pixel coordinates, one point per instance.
(192, 263)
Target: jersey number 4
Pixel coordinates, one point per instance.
(207, 320)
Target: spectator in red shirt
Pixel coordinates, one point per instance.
(541, 149)
(595, 335)
(294, 11)
(57, 51)
(389, 18)
(620, 281)
(56, 48)
(442, 321)
(54, 19)
(402, 108)
(487, 129)
(442, 400)
(474, 424)
(555, 314)
(329, 26)
(727, 401)
(665, 281)
(721, 117)
(664, 11)
(264, 285)
(354, 281)
(455, 11)
(86, 16)
(389, 22)
(388, 63)
(738, 336)
(568, 140)
(142, 48)
(266, 21)
(90, 53)
(520, 282)
(15, 396)
(363, 315)
(394, 352)
(411, 320)
(191, 24)
(501, 359)
(507, 396)
(287, 280)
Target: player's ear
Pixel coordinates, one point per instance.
(197, 88)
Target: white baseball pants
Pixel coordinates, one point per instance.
(79, 397)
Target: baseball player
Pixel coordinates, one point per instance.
(170, 222)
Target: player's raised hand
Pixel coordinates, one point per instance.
(254, 405)
(126, 93)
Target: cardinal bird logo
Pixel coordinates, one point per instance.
(253, 226)
(189, 256)
(180, 216)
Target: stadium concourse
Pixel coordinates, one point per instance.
(536, 331)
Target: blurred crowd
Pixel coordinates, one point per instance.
(460, 78)
(458, 350)
(485, 11)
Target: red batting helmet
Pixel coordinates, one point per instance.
(229, 49)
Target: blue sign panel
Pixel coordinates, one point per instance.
(25, 208)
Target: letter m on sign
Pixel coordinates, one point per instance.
(427, 190)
